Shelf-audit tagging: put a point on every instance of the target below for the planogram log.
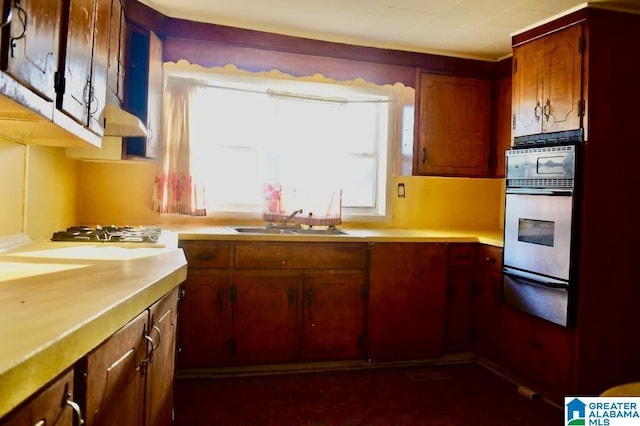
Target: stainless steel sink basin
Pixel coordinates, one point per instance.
(285, 231)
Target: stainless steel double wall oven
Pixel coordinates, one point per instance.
(540, 227)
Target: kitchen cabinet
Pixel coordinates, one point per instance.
(453, 126)
(204, 333)
(407, 299)
(459, 297)
(144, 90)
(266, 311)
(503, 100)
(53, 405)
(129, 378)
(82, 95)
(539, 352)
(272, 302)
(547, 83)
(486, 301)
(31, 57)
(117, 47)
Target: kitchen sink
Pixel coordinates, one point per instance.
(285, 231)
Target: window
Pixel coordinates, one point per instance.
(320, 143)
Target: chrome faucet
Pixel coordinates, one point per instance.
(288, 218)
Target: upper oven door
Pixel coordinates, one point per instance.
(537, 231)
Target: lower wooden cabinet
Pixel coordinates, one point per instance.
(537, 351)
(129, 378)
(272, 302)
(407, 297)
(487, 301)
(51, 406)
(266, 309)
(458, 336)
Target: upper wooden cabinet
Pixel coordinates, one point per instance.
(31, 57)
(453, 126)
(117, 38)
(547, 83)
(83, 94)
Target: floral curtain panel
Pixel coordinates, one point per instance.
(177, 189)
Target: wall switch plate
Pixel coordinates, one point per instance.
(401, 192)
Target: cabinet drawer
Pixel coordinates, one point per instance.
(206, 254)
(489, 257)
(462, 254)
(300, 256)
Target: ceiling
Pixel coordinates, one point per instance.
(464, 28)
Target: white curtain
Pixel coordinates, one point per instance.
(176, 188)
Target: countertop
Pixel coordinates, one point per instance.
(490, 237)
(59, 301)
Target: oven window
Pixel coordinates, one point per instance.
(533, 231)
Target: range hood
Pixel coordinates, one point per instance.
(118, 122)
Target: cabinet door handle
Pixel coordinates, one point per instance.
(535, 110)
(76, 409)
(309, 297)
(292, 296)
(424, 155)
(547, 110)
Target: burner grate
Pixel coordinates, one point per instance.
(108, 234)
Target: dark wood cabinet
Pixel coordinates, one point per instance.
(502, 119)
(537, 351)
(84, 69)
(116, 63)
(487, 300)
(458, 337)
(453, 126)
(144, 82)
(407, 299)
(272, 302)
(266, 309)
(31, 57)
(129, 378)
(115, 377)
(547, 83)
(51, 406)
(334, 316)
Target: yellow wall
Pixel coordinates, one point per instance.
(120, 193)
(38, 190)
(12, 185)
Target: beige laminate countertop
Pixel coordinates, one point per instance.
(59, 301)
(490, 237)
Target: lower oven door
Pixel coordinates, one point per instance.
(537, 295)
(537, 231)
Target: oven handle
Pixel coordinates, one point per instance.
(535, 278)
(538, 191)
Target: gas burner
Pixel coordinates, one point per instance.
(114, 234)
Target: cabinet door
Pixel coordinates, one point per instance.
(48, 407)
(528, 60)
(159, 389)
(562, 80)
(454, 126)
(333, 319)
(99, 66)
(266, 317)
(503, 124)
(205, 320)
(487, 300)
(116, 377)
(31, 57)
(407, 298)
(458, 336)
(117, 33)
